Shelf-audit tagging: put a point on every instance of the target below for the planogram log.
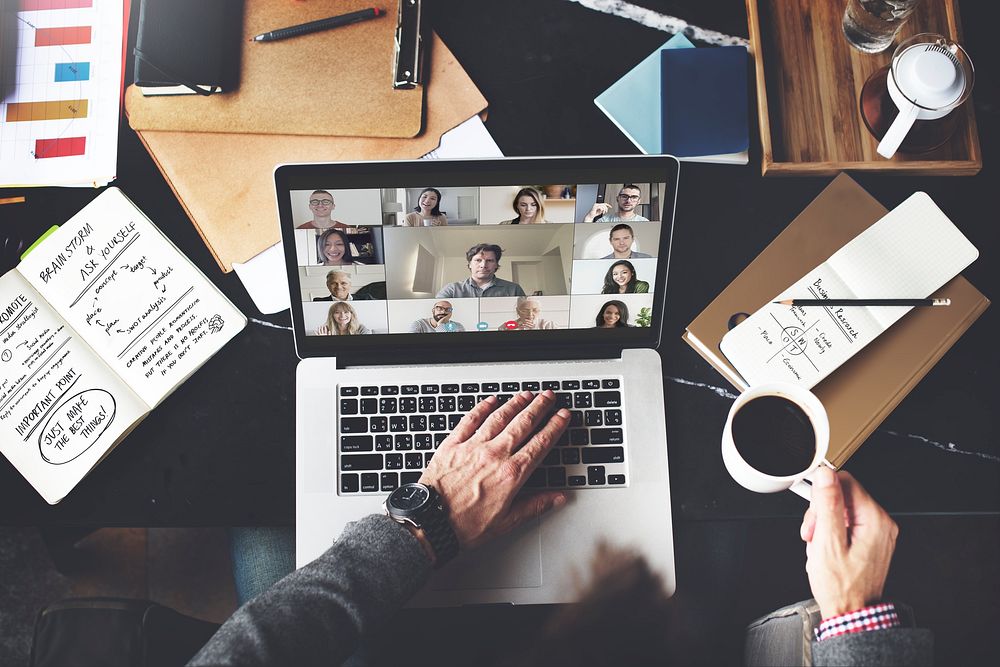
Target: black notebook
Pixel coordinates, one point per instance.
(188, 46)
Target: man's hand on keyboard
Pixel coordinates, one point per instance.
(482, 465)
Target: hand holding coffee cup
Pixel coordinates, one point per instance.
(849, 544)
(775, 436)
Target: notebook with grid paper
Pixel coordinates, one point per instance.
(913, 250)
(420, 288)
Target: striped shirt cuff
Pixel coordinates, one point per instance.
(876, 617)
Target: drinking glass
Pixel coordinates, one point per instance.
(871, 25)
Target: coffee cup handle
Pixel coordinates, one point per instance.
(803, 488)
(897, 131)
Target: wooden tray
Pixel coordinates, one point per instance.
(809, 81)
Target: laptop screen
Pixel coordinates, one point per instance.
(493, 252)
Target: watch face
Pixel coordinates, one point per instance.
(409, 497)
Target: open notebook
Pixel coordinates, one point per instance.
(98, 324)
(909, 253)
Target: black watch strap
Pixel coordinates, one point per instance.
(437, 528)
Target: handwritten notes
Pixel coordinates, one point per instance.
(909, 253)
(60, 406)
(97, 325)
(127, 291)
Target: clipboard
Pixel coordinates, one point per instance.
(336, 82)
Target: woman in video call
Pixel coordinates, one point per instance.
(342, 320)
(528, 317)
(335, 249)
(529, 206)
(427, 213)
(621, 279)
(613, 314)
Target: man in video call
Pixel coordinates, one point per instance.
(439, 322)
(339, 284)
(628, 200)
(321, 205)
(484, 260)
(621, 238)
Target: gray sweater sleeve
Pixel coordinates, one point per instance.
(896, 646)
(316, 615)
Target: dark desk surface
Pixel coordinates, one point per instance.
(220, 451)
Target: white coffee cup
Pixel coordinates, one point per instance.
(929, 76)
(755, 480)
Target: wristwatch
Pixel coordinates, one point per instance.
(422, 507)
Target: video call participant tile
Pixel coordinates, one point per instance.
(342, 283)
(532, 313)
(433, 315)
(522, 205)
(344, 318)
(609, 276)
(608, 311)
(337, 247)
(432, 206)
(617, 241)
(623, 202)
(434, 262)
(340, 209)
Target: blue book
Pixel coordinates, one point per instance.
(704, 101)
(633, 104)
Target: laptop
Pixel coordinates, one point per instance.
(418, 288)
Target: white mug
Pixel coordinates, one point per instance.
(749, 477)
(929, 76)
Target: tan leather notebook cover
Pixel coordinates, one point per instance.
(866, 388)
(225, 181)
(334, 82)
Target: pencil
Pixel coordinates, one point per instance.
(864, 302)
(321, 24)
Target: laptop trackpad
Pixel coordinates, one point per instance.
(511, 561)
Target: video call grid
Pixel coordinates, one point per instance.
(372, 229)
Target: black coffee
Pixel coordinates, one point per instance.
(774, 435)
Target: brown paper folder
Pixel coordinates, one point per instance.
(225, 183)
(335, 82)
(866, 388)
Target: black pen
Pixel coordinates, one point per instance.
(864, 302)
(321, 24)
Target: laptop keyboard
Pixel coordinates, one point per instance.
(388, 433)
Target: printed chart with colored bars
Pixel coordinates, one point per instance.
(60, 82)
